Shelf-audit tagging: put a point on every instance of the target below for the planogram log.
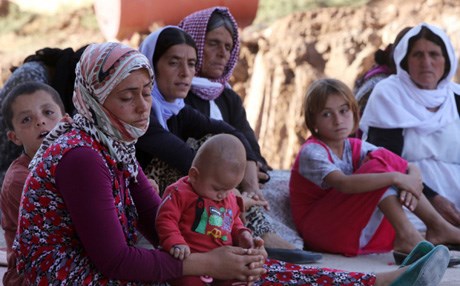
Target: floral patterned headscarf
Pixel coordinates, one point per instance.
(101, 68)
(196, 24)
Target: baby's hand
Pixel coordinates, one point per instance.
(259, 244)
(245, 240)
(180, 251)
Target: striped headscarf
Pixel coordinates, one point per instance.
(196, 24)
(101, 68)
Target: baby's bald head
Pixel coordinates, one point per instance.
(222, 153)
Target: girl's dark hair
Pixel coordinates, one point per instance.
(170, 37)
(217, 20)
(25, 89)
(427, 34)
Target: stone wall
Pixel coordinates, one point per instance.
(279, 62)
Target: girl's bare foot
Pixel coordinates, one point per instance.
(406, 242)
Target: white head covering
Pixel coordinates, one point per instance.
(397, 102)
(162, 109)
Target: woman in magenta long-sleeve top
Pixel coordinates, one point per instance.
(86, 195)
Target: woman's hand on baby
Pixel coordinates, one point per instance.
(252, 242)
(180, 251)
(229, 262)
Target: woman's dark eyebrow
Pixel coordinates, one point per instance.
(47, 105)
(148, 83)
(129, 88)
(218, 41)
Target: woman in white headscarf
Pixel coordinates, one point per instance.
(415, 113)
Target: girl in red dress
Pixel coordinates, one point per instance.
(347, 196)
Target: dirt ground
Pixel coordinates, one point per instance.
(21, 34)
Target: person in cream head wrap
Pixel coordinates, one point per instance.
(415, 113)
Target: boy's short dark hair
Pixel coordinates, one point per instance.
(24, 89)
